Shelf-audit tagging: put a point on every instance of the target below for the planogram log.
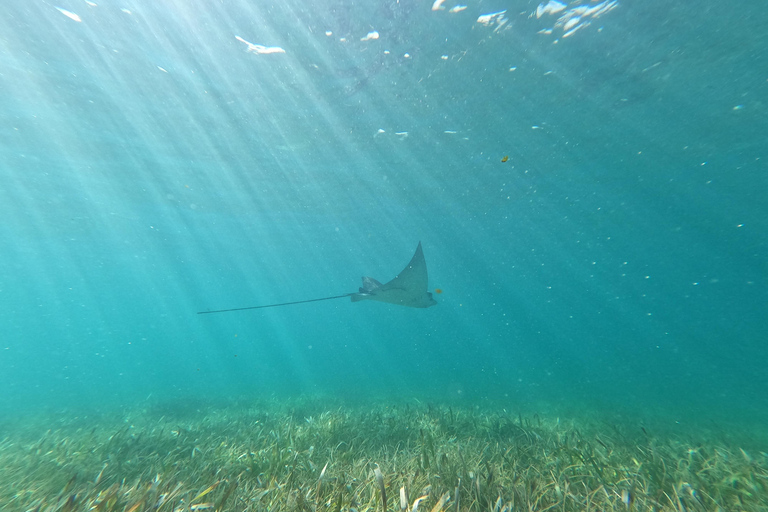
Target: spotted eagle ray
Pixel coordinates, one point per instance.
(408, 288)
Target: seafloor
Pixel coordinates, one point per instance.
(314, 455)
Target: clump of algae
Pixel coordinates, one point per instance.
(303, 456)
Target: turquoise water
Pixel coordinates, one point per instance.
(151, 167)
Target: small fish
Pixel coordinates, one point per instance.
(505, 158)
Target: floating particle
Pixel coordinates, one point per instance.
(494, 17)
(571, 23)
(602, 8)
(257, 48)
(574, 29)
(573, 18)
(69, 14)
(553, 7)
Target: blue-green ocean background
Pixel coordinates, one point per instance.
(151, 167)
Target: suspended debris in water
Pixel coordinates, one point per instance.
(574, 17)
(257, 48)
(69, 14)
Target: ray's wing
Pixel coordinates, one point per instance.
(413, 278)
